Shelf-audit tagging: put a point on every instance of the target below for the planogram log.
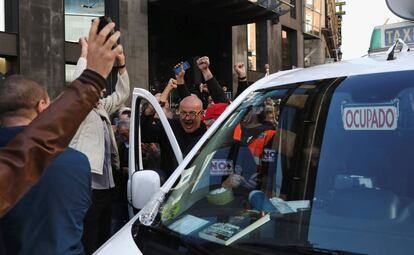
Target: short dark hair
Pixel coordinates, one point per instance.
(19, 92)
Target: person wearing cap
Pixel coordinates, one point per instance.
(213, 112)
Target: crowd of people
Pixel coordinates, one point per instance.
(196, 113)
(64, 164)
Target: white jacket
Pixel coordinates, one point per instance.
(89, 139)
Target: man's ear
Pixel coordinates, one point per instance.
(42, 105)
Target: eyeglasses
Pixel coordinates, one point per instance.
(192, 114)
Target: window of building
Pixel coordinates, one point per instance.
(251, 47)
(293, 10)
(78, 16)
(6, 67)
(289, 48)
(312, 17)
(69, 71)
(257, 46)
(3, 68)
(2, 16)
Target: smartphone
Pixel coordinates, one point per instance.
(186, 66)
(103, 21)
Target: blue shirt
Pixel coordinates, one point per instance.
(49, 218)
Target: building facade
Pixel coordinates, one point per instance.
(39, 38)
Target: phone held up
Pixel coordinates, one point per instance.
(186, 66)
(103, 21)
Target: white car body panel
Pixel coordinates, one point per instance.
(123, 243)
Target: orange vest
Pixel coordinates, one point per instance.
(257, 144)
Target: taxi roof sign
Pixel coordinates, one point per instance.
(385, 36)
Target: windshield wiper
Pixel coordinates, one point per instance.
(299, 249)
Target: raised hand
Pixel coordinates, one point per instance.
(240, 70)
(101, 56)
(172, 83)
(121, 61)
(83, 41)
(180, 75)
(203, 63)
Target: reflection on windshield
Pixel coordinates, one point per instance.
(289, 169)
(364, 192)
(241, 177)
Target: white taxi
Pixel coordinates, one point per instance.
(315, 160)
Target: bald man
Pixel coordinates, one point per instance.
(188, 129)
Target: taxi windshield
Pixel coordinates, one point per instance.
(320, 165)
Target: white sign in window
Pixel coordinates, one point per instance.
(373, 117)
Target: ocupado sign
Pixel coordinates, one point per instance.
(373, 117)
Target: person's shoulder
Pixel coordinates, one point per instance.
(201, 130)
(176, 125)
(73, 153)
(72, 157)
(174, 121)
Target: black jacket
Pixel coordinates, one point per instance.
(156, 134)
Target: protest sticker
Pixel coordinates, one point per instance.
(269, 155)
(370, 117)
(221, 167)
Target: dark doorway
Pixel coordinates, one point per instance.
(176, 37)
(289, 48)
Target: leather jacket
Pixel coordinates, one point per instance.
(24, 159)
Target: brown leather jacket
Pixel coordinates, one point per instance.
(24, 159)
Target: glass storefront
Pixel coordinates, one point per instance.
(251, 47)
(78, 15)
(69, 71)
(2, 16)
(312, 17)
(6, 67)
(3, 68)
(289, 48)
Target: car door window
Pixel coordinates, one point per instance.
(364, 197)
(142, 101)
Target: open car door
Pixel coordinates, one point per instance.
(143, 183)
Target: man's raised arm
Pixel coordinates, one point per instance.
(24, 159)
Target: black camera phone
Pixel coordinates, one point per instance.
(103, 21)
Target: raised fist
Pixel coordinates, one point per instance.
(240, 69)
(203, 63)
(172, 83)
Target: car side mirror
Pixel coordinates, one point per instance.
(144, 184)
(402, 8)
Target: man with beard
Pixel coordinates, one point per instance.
(187, 129)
